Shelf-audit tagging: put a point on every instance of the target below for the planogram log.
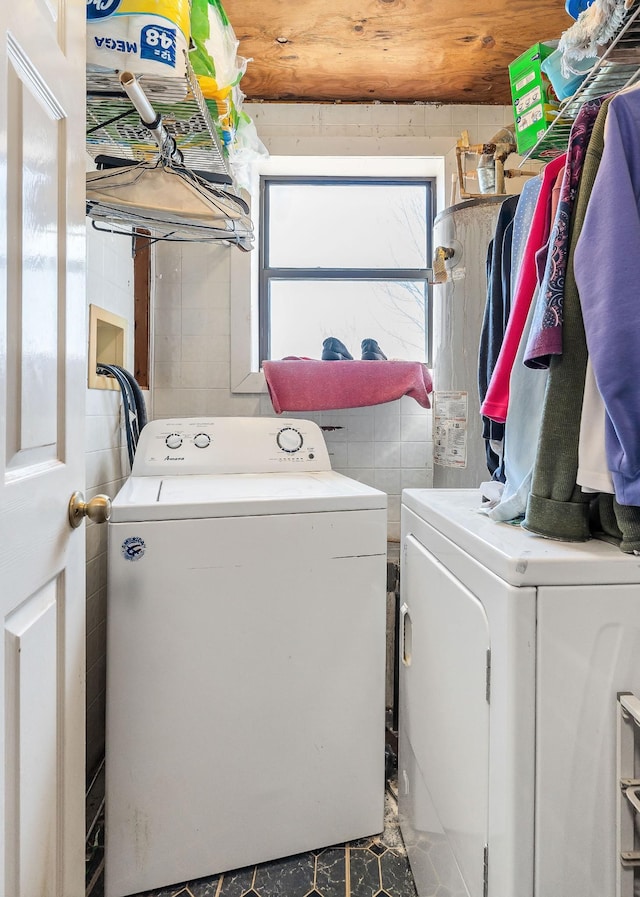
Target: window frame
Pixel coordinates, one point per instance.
(316, 154)
(266, 274)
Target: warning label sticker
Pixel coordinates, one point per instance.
(450, 411)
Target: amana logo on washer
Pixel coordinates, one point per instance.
(133, 548)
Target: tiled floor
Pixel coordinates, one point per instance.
(365, 868)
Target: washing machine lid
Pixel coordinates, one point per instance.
(515, 555)
(241, 495)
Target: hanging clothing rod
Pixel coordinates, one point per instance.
(150, 119)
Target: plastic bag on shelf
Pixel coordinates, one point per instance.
(214, 58)
(224, 112)
(219, 70)
(246, 149)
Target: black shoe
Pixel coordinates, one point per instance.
(334, 350)
(371, 351)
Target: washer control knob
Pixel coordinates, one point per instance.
(289, 440)
(174, 440)
(202, 440)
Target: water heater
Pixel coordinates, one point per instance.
(461, 235)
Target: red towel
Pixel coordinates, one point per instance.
(300, 384)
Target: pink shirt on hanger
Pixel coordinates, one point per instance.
(496, 401)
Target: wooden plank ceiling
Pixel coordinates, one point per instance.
(405, 51)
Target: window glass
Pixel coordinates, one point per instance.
(351, 225)
(305, 312)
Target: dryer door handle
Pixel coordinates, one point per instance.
(406, 635)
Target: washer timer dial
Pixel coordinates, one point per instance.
(201, 440)
(173, 441)
(289, 440)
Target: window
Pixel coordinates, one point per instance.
(346, 257)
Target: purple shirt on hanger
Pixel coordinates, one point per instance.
(545, 337)
(606, 272)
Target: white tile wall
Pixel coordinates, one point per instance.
(110, 286)
(388, 446)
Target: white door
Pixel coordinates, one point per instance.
(444, 713)
(42, 386)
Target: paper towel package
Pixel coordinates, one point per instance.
(140, 36)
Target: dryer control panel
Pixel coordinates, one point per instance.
(218, 445)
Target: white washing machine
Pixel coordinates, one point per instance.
(513, 651)
(246, 652)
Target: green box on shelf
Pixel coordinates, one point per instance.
(535, 103)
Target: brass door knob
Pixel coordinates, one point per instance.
(98, 509)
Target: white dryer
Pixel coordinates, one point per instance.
(246, 652)
(513, 651)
